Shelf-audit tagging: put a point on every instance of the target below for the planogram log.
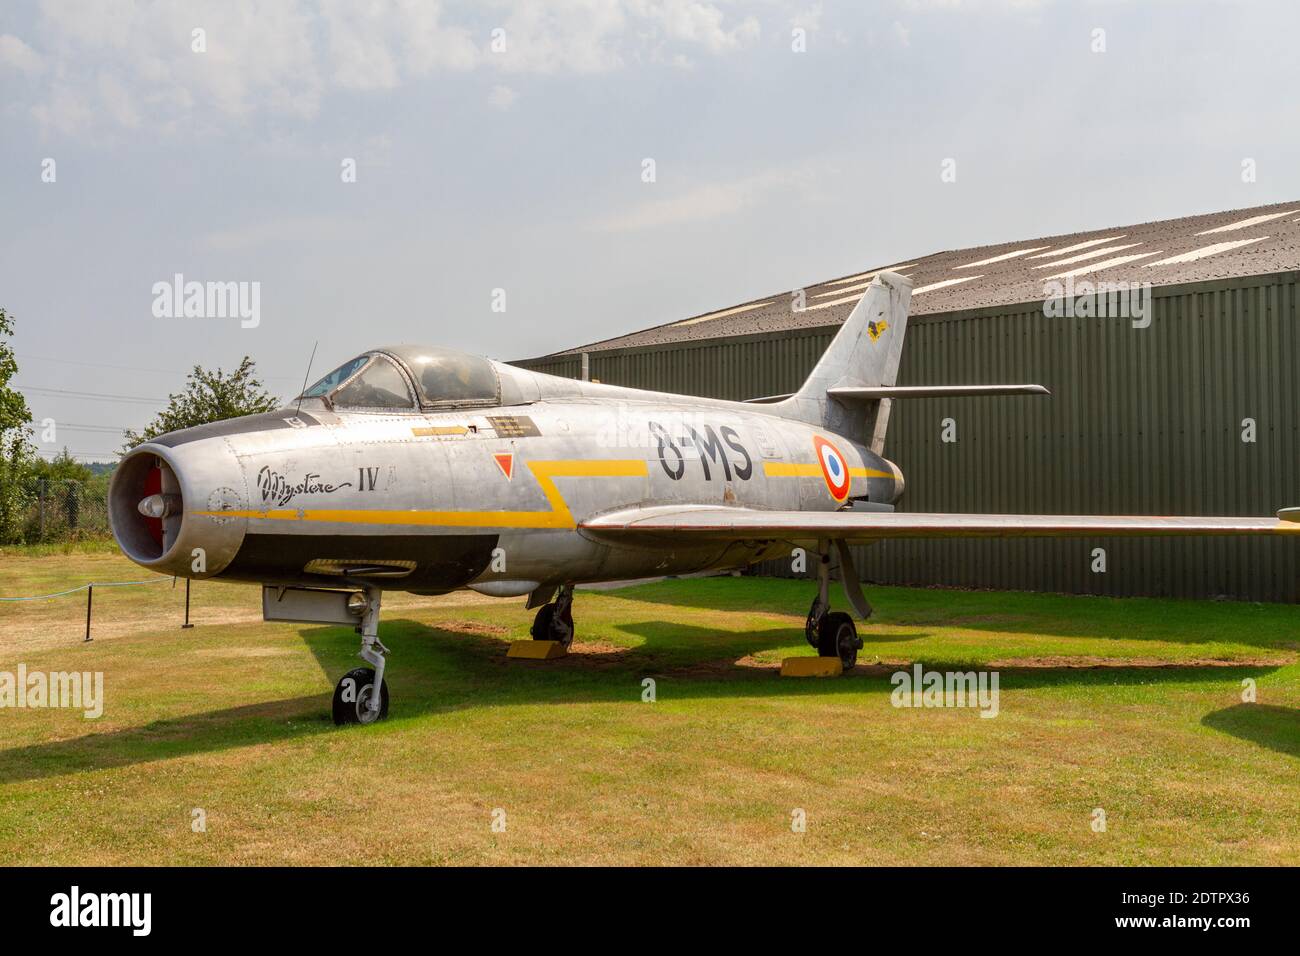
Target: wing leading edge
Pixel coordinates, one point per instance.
(740, 524)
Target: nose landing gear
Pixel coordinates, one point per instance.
(355, 700)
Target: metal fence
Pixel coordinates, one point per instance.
(1141, 421)
(63, 510)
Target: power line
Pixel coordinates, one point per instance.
(74, 394)
(126, 368)
(71, 426)
(120, 368)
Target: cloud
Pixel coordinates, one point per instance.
(121, 64)
(502, 97)
(64, 110)
(809, 18)
(379, 44)
(117, 101)
(131, 63)
(700, 24)
(706, 201)
(280, 231)
(17, 55)
(597, 36)
(972, 6)
(563, 36)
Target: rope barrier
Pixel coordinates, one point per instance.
(90, 595)
(92, 584)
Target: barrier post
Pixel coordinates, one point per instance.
(187, 606)
(90, 597)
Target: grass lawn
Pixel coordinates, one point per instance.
(1131, 706)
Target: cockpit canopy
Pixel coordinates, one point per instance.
(386, 378)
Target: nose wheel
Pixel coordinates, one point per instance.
(352, 696)
(554, 621)
(355, 700)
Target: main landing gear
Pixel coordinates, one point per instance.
(355, 700)
(554, 621)
(833, 633)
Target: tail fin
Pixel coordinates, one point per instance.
(864, 353)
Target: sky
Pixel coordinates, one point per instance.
(514, 178)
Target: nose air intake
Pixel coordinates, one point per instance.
(146, 507)
(168, 505)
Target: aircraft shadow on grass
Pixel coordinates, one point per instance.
(1277, 728)
(1101, 618)
(439, 670)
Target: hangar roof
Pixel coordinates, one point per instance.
(1220, 245)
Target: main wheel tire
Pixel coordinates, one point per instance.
(541, 629)
(352, 698)
(838, 637)
(549, 626)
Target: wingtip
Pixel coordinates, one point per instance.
(1289, 514)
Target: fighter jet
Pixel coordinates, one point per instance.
(428, 470)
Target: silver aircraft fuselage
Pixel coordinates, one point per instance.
(486, 496)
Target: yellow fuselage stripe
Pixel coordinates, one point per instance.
(799, 469)
(544, 471)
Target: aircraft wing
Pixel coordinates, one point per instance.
(740, 524)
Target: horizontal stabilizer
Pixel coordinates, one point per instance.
(870, 393)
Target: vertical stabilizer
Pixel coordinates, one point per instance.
(864, 353)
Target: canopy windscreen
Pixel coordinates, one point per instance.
(448, 376)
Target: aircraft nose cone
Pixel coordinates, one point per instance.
(159, 506)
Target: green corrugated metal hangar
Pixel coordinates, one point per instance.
(1193, 408)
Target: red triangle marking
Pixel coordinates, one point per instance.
(506, 462)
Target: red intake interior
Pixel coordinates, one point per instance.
(153, 486)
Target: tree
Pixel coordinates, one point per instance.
(209, 397)
(14, 413)
(62, 467)
(16, 449)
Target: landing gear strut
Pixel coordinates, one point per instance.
(355, 700)
(833, 633)
(554, 621)
(821, 603)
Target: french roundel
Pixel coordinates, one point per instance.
(834, 468)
